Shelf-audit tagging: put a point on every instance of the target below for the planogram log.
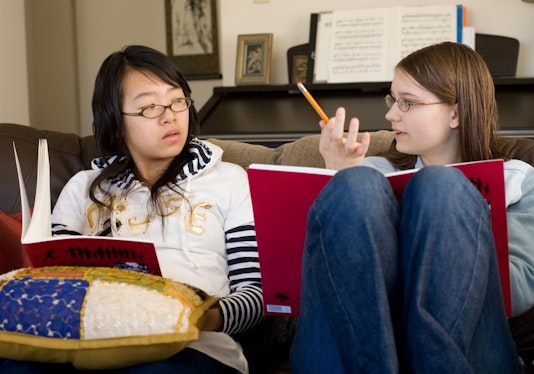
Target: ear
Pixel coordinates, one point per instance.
(455, 117)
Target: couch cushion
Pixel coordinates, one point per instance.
(244, 154)
(301, 152)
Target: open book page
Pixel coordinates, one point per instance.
(421, 26)
(366, 44)
(282, 196)
(40, 227)
(42, 249)
(25, 206)
(360, 45)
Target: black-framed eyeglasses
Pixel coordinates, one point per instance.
(154, 111)
(403, 104)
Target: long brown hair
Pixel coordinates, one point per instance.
(456, 74)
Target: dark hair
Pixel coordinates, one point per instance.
(108, 121)
(455, 73)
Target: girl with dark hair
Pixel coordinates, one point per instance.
(155, 180)
(414, 287)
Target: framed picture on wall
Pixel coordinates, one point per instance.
(253, 62)
(192, 39)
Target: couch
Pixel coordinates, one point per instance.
(267, 346)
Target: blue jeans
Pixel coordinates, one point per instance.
(186, 361)
(411, 287)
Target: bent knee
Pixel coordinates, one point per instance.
(362, 179)
(360, 188)
(447, 182)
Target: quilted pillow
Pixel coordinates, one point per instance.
(96, 318)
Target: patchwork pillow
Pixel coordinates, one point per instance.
(96, 318)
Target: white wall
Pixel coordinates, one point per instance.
(52, 65)
(14, 104)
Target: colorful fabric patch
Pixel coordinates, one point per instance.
(44, 307)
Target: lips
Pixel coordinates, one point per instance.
(398, 132)
(171, 134)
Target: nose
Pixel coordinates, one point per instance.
(393, 113)
(168, 115)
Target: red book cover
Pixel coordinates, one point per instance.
(93, 251)
(282, 196)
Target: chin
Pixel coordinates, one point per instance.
(404, 149)
(171, 152)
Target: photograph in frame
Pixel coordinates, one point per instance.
(253, 62)
(297, 63)
(192, 37)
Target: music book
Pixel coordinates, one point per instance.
(364, 45)
(282, 196)
(40, 248)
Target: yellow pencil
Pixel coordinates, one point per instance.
(312, 101)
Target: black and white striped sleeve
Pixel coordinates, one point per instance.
(243, 308)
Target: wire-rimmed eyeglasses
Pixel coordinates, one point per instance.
(154, 111)
(403, 104)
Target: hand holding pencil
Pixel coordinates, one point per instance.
(313, 103)
(339, 150)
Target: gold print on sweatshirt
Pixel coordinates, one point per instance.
(92, 215)
(196, 215)
(139, 227)
(170, 206)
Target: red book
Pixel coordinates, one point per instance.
(40, 248)
(92, 251)
(282, 196)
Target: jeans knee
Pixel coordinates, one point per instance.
(443, 181)
(441, 188)
(436, 175)
(359, 194)
(358, 182)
